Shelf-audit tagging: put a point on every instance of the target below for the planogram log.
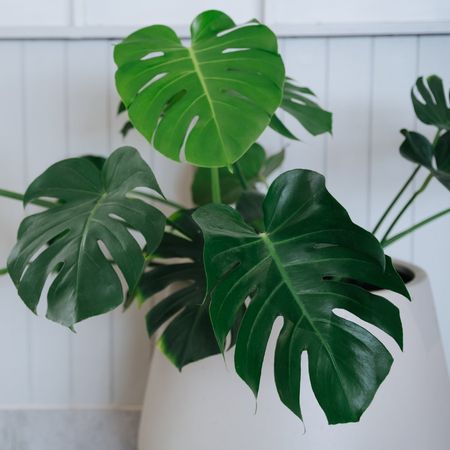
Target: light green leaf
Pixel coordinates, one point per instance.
(212, 99)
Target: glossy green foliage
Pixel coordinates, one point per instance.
(435, 157)
(188, 335)
(94, 207)
(310, 262)
(211, 100)
(298, 102)
(255, 166)
(431, 105)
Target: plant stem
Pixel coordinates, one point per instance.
(415, 227)
(3, 271)
(162, 200)
(215, 185)
(16, 196)
(395, 200)
(407, 205)
(240, 175)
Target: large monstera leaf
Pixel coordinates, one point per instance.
(183, 313)
(211, 100)
(310, 260)
(95, 208)
(434, 157)
(431, 104)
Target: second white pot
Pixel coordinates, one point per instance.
(208, 406)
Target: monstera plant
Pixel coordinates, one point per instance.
(244, 255)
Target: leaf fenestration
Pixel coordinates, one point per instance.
(212, 99)
(89, 225)
(310, 260)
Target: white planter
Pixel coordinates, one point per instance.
(207, 406)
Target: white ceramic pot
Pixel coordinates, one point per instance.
(207, 406)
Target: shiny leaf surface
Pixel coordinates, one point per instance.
(87, 228)
(184, 313)
(431, 104)
(198, 98)
(418, 149)
(310, 261)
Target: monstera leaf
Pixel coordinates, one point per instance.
(432, 107)
(298, 103)
(436, 158)
(95, 209)
(211, 100)
(188, 335)
(255, 166)
(310, 261)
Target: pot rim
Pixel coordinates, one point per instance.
(419, 274)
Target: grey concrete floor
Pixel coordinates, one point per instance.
(68, 430)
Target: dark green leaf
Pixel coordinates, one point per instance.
(300, 269)
(188, 335)
(251, 165)
(277, 125)
(227, 85)
(431, 106)
(418, 149)
(297, 102)
(94, 207)
(273, 162)
(249, 206)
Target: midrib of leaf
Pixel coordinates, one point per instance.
(202, 80)
(286, 279)
(84, 234)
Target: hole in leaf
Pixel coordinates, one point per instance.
(155, 79)
(152, 55)
(234, 50)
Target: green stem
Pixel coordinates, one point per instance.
(415, 227)
(395, 200)
(215, 185)
(407, 205)
(241, 177)
(3, 271)
(161, 200)
(16, 196)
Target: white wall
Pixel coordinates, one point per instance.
(58, 99)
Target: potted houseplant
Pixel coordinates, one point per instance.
(277, 273)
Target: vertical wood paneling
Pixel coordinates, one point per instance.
(69, 108)
(14, 373)
(350, 77)
(355, 11)
(45, 124)
(306, 62)
(432, 244)
(394, 72)
(32, 12)
(129, 340)
(88, 119)
(114, 12)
